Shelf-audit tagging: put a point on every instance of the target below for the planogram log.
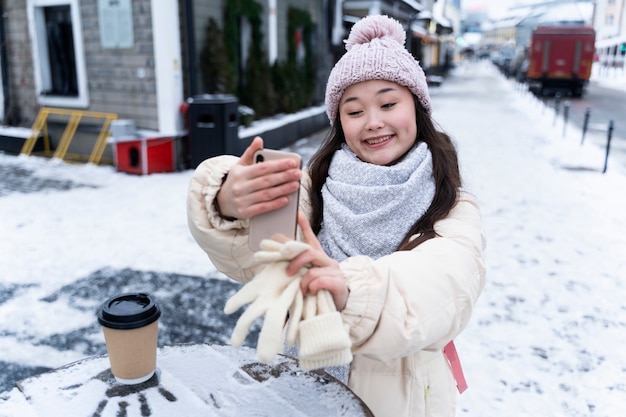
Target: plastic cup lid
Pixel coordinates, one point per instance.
(129, 311)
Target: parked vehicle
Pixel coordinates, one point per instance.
(560, 59)
(519, 64)
(501, 58)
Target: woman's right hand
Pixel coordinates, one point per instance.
(251, 189)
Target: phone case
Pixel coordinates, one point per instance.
(283, 220)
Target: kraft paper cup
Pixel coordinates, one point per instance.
(130, 326)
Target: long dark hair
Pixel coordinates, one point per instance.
(445, 171)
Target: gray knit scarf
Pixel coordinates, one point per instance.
(368, 208)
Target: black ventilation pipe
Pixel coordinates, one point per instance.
(190, 46)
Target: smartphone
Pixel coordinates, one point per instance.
(283, 220)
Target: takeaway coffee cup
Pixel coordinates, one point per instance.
(130, 326)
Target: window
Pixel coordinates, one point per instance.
(608, 20)
(58, 54)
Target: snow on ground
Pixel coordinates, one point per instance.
(546, 337)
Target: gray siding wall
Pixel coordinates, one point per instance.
(113, 75)
(23, 103)
(122, 81)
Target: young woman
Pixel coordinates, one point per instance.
(393, 236)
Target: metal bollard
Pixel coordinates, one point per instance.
(557, 106)
(585, 124)
(566, 107)
(608, 145)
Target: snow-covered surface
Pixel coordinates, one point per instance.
(194, 380)
(18, 132)
(547, 336)
(258, 127)
(609, 77)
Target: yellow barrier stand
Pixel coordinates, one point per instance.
(75, 117)
(38, 126)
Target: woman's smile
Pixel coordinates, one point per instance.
(378, 140)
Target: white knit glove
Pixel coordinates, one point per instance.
(322, 338)
(295, 315)
(271, 293)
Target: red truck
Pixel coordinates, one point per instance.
(560, 59)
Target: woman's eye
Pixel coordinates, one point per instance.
(388, 105)
(354, 113)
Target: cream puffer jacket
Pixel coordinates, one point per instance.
(402, 310)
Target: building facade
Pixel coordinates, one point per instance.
(610, 24)
(93, 55)
(141, 59)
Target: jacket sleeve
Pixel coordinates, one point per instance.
(422, 298)
(224, 241)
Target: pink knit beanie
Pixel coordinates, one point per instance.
(375, 51)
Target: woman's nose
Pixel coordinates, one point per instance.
(374, 121)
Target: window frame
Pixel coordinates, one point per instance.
(41, 62)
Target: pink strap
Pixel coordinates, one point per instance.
(449, 351)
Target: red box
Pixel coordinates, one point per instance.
(145, 155)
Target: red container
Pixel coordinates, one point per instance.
(145, 155)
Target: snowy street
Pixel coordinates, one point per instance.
(547, 335)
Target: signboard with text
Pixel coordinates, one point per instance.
(116, 23)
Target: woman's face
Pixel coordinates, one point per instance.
(378, 120)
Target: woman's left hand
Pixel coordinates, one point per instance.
(323, 273)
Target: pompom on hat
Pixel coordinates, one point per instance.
(375, 51)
